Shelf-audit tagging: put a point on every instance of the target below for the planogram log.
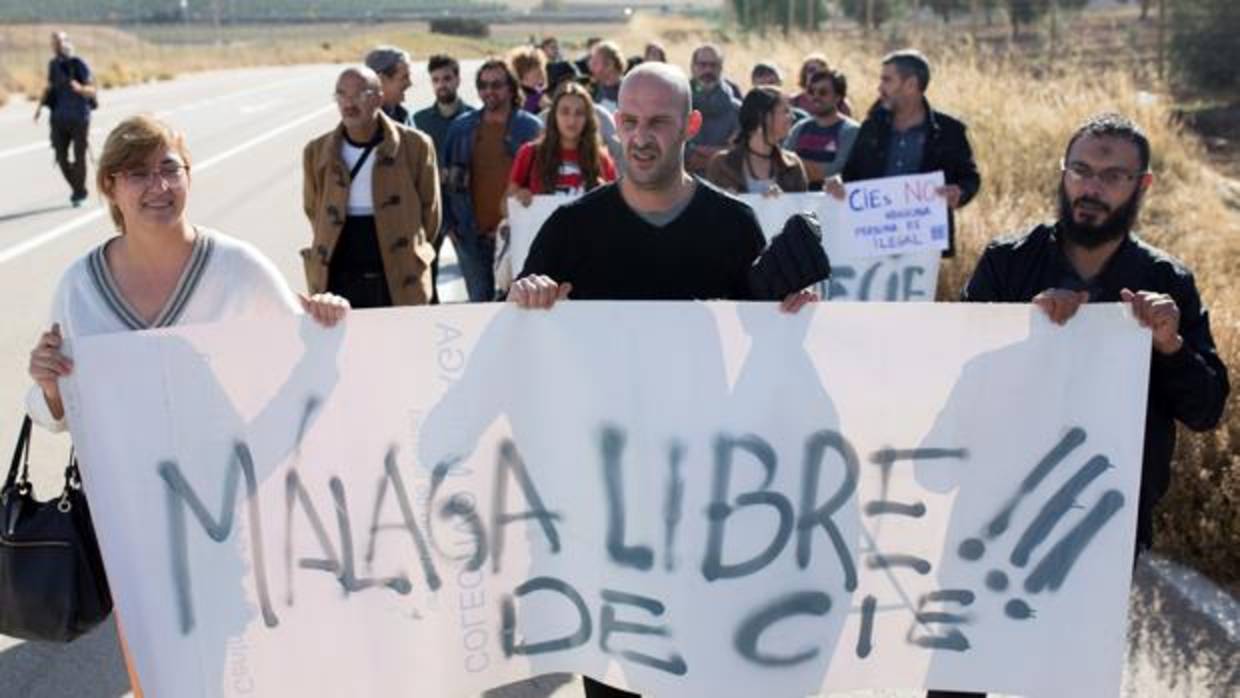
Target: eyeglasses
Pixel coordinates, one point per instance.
(358, 98)
(172, 174)
(1111, 178)
(492, 85)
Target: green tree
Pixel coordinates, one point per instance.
(1203, 41)
(1025, 12)
(879, 10)
(948, 8)
(787, 14)
(1145, 8)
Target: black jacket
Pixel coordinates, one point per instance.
(1189, 386)
(947, 149)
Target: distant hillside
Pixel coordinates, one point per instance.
(227, 10)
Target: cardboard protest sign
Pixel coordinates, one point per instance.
(908, 276)
(678, 498)
(893, 215)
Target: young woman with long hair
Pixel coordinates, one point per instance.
(756, 163)
(569, 157)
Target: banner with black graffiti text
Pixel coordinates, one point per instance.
(678, 498)
(911, 275)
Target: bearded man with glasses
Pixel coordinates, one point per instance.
(1091, 255)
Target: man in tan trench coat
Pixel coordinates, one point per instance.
(371, 192)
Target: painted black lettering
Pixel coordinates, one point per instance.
(718, 511)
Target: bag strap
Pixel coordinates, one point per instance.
(357, 166)
(19, 468)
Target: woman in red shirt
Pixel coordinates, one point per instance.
(569, 158)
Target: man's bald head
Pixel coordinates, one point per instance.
(359, 96)
(359, 74)
(664, 78)
(654, 119)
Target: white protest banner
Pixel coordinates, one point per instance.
(684, 499)
(895, 277)
(893, 215)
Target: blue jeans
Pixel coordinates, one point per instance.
(475, 252)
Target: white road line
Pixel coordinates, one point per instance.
(25, 148)
(206, 102)
(265, 137)
(59, 231)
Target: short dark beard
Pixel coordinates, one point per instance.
(827, 113)
(1118, 222)
(445, 99)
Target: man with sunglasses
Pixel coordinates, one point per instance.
(824, 142)
(477, 157)
(1091, 255)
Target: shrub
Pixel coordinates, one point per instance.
(1203, 41)
(460, 26)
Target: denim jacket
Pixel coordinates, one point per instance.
(458, 152)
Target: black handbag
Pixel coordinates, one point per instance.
(52, 582)
(794, 260)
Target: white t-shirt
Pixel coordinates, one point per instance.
(361, 195)
(223, 278)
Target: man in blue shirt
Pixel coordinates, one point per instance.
(70, 95)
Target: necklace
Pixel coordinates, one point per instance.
(768, 157)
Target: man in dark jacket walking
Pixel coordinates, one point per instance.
(70, 95)
(903, 135)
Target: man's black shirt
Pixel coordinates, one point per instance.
(609, 252)
(1190, 386)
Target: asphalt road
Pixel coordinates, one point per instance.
(246, 129)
